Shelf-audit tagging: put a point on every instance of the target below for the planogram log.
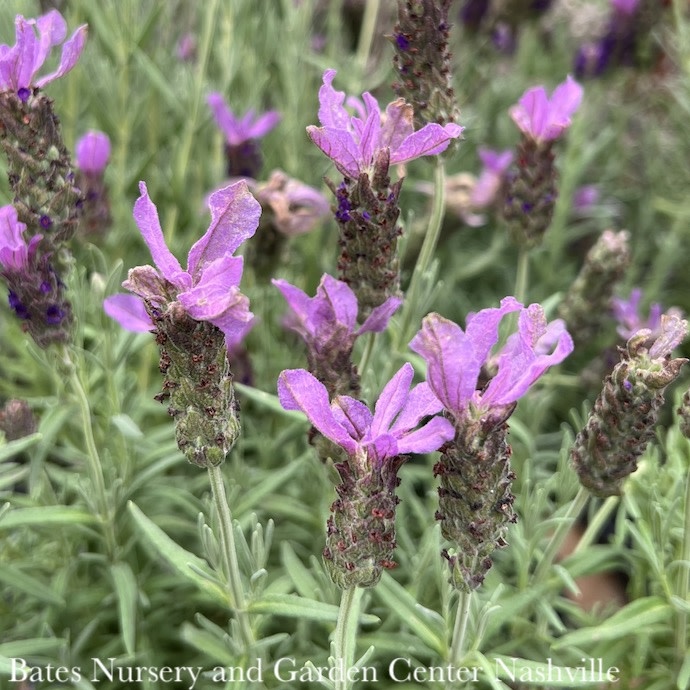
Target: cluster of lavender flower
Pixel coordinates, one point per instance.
(200, 316)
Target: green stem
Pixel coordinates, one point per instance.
(462, 617)
(227, 539)
(684, 584)
(426, 254)
(366, 34)
(94, 461)
(345, 639)
(366, 355)
(559, 535)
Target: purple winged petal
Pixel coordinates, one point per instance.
(226, 121)
(334, 302)
(531, 112)
(354, 415)
(93, 152)
(398, 124)
(23, 54)
(52, 30)
(422, 402)
(264, 124)
(370, 135)
(340, 146)
(234, 218)
(146, 218)
(391, 401)
(428, 141)
(71, 51)
(331, 111)
(129, 311)
(299, 390)
(427, 438)
(382, 447)
(298, 301)
(380, 316)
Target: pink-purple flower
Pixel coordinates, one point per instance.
(353, 142)
(20, 63)
(208, 290)
(93, 152)
(495, 164)
(15, 253)
(330, 317)
(237, 130)
(394, 427)
(542, 118)
(455, 357)
(630, 320)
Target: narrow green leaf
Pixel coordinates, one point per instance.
(303, 580)
(294, 606)
(212, 646)
(683, 680)
(24, 649)
(268, 401)
(17, 579)
(271, 482)
(127, 426)
(9, 450)
(633, 619)
(426, 624)
(127, 594)
(47, 516)
(184, 562)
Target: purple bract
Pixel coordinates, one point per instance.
(239, 130)
(93, 152)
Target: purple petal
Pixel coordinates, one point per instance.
(391, 401)
(14, 252)
(146, 282)
(427, 438)
(264, 124)
(340, 146)
(129, 311)
(52, 30)
(334, 302)
(354, 415)
(331, 111)
(23, 54)
(398, 124)
(234, 218)
(146, 218)
(71, 51)
(421, 402)
(298, 302)
(370, 136)
(226, 121)
(380, 316)
(299, 390)
(382, 447)
(522, 361)
(93, 152)
(565, 100)
(428, 141)
(531, 112)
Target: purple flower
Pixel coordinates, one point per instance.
(208, 290)
(93, 152)
(390, 431)
(239, 130)
(542, 118)
(20, 63)
(14, 251)
(495, 163)
(630, 321)
(585, 197)
(332, 313)
(455, 357)
(353, 142)
(625, 7)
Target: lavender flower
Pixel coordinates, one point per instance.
(544, 119)
(495, 164)
(20, 63)
(241, 136)
(530, 191)
(328, 324)
(361, 529)
(475, 499)
(355, 142)
(290, 208)
(198, 315)
(35, 289)
(92, 155)
(363, 148)
(623, 419)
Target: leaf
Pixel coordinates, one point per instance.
(683, 680)
(127, 593)
(294, 606)
(268, 484)
(9, 450)
(17, 579)
(45, 516)
(182, 561)
(268, 401)
(22, 649)
(427, 624)
(127, 426)
(635, 618)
